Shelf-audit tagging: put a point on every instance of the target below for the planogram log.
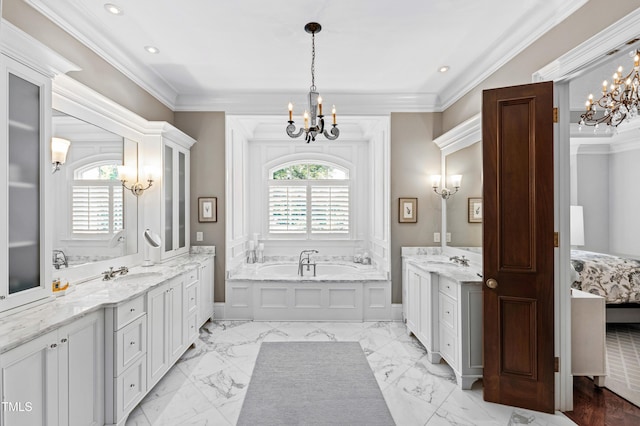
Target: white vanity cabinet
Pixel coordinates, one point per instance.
(57, 378)
(421, 312)
(167, 335)
(206, 291)
(445, 315)
(125, 358)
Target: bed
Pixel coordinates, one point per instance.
(616, 279)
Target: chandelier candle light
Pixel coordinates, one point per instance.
(619, 100)
(313, 118)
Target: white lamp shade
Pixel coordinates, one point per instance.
(59, 149)
(577, 226)
(435, 181)
(151, 172)
(127, 173)
(455, 180)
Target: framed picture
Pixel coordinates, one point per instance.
(475, 210)
(207, 209)
(407, 210)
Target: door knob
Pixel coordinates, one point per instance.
(491, 283)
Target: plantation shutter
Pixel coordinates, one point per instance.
(330, 209)
(287, 209)
(91, 209)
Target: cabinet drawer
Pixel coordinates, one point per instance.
(131, 343)
(192, 298)
(191, 276)
(130, 387)
(449, 287)
(448, 344)
(448, 313)
(128, 311)
(192, 328)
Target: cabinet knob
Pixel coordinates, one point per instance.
(132, 385)
(132, 343)
(54, 345)
(63, 340)
(491, 283)
(132, 310)
(3, 297)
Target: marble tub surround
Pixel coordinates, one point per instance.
(421, 251)
(359, 271)
(90, 296)
(208, 384)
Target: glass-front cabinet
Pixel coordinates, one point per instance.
(25, 114)
(175, 200)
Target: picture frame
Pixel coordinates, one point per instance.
(207, 209)
(475, 210)
(407, 210)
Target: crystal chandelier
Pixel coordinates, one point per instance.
(313, 117)
(619, 101)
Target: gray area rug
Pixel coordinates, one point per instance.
(623, 361)
(313, 383)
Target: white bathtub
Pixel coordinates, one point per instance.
(291, 269)
(340, 291)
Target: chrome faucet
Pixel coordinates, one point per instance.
(302, 261)
(460, 260)
(59, 259)
(111, 273)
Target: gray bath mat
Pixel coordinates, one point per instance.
(313, 383)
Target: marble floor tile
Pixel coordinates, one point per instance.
(176, 407)
(407, 410)
(137, 418)
(418, 382)
(211, 417)
(172, 381)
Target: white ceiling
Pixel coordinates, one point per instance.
(244, 55)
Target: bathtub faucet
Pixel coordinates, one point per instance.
(306, 261)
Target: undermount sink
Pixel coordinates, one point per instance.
(138, 276)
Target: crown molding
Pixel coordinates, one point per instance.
(463, 135)
(88, 35)
(591, 51)
(25, 49)
(276, 103)
(496, 57)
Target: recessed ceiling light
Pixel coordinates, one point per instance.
(444, 68)
(112, 8)
(152, 49)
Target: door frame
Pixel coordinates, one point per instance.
(561, 71)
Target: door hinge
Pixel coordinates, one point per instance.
(556, 364)
(556, 239)
(555, 114)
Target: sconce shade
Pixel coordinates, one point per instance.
(435, 181)
(456, 180)
(577, 226)
(59, 149)
(127, 173)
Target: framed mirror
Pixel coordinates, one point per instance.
(461, 154)
(96, 218)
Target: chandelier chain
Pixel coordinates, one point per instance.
(313, 62)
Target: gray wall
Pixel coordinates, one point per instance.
(208, 180)
(587, 21)
(624, 175)
(593, 196)
(96, 73)
(414, 157)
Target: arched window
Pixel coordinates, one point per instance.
(309, 198)
(96, 199)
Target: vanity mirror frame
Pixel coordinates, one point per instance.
(462, 136)
(75, 99)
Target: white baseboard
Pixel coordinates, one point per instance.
(396, 312)
(218, 311)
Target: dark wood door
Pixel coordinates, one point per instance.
(517, 140)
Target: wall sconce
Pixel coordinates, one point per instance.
(445, 193)
(129, 174)
(59, 149)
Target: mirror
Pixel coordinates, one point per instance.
(464, 226)
(95, 218)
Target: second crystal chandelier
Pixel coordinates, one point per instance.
(313, 118)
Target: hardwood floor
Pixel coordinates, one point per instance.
(599, 406)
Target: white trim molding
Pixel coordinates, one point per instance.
(463, 135)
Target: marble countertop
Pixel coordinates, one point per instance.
(89, 297)
(441, 264)
(359, 273)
